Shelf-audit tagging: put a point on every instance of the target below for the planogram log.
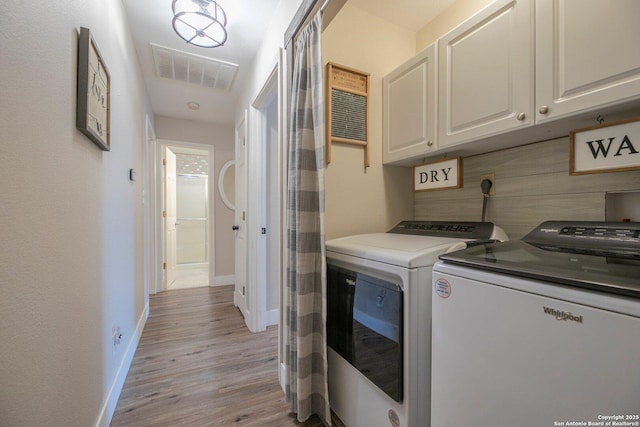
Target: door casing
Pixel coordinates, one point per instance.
(240, 295)
(160, 276)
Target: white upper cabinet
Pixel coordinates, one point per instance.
(588, 55)
(485, 79)
(408, 109)
(531, 68)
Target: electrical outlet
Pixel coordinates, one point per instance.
(116, 337)
(492, 177)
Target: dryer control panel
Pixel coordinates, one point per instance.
(460, 230)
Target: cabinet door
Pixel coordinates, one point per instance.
(587, 55)
(408, 109)
(485, 79)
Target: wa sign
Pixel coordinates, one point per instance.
(609, 148)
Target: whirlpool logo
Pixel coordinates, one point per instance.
(562, 315)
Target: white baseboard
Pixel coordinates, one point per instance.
(193, 266)
(224, 280)
(273, 317)
(111, 401)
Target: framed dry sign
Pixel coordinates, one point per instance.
(347, 108)
(94, 85)
(613, 147)
(439, 175)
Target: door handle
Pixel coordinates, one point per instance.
(235, 228)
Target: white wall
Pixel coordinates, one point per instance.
(223, 140)
(265, 61)
(70, 220)
(267, 55)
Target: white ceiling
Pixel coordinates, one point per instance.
(247, 21)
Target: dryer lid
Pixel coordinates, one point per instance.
(414, 244)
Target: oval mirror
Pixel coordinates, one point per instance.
(227, 184)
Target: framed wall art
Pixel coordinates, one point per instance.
(94, 85)
(347, 102)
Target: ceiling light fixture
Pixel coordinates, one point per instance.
(200, 22)
(193, 105)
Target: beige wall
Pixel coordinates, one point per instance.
(447, 20)
(532, 185)
(222, 139)
(71, 221)
(375, 199)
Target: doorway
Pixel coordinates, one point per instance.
(187, 238)
(266, 178)
(272, 218)
(240, 295)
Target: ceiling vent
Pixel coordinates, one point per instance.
(193, 69)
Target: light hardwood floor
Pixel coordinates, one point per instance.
(198, 365)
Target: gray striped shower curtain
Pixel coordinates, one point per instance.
(305, 288)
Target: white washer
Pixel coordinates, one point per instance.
(379, 274)
(544, 331)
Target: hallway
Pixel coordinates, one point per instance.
(190, 277)
(198, 365)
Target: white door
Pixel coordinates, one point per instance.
(170, 215)
(409, 108)
(273, 244)
(577, 68)
(264, 195)
(240, 294)
(485, 78)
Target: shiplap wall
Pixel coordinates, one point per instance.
(532, 184)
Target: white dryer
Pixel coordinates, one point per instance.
(379, 319)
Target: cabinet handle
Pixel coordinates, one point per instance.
(521, 116)
(544, 109)
(430, 143)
